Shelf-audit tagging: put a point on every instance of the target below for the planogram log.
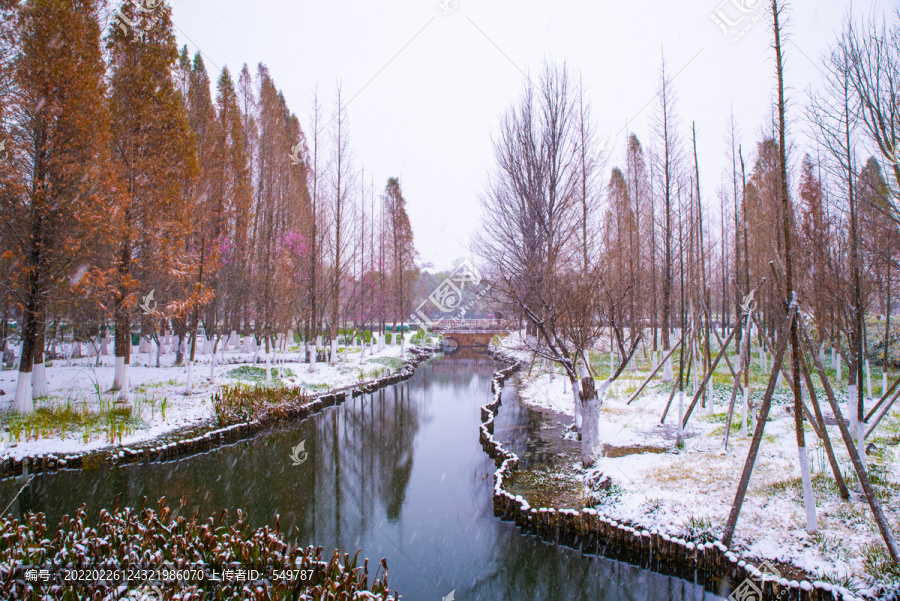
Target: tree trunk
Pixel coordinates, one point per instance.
(39, 386)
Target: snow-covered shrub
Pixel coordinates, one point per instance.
(144, 539)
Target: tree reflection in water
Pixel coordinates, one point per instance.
(399, 474)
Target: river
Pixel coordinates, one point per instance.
(399, 474)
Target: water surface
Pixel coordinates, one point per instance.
(399, 474)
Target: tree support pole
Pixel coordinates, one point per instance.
(758, 433)
(877, 512)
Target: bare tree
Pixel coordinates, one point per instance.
(666, 131)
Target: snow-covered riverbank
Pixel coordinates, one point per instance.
(688, 492)
(82, 415)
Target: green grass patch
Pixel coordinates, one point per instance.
(394, 363)
(241, 403)
(256, 374)
(109, 420)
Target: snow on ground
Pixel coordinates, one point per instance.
(690, 491)
(157, 396)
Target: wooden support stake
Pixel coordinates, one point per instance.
(812, 420)
(881, 415)
(706, 378)
(737, 378)
(719, 339)
(832, 460)
(655, 371)
(758, 433)
(854, 455)
(882, 399)
(678, 384)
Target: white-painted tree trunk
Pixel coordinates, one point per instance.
(39, 386)
(851, 410)
(334, 353)
(710, 403)
(312, 360)
(668, 376)
(579, 410)
(591, 442)
(120, 377)
(402, 345)
(269, 366)
(679, 437)
(839, 367)
(212, 367)
(23, 401)
(868, 380)
(809, 499)
(362, 351)
(694, 372)
(833, 359)
(188, 382)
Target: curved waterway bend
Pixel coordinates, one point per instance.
(400, 474)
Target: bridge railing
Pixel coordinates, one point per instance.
(472, 325)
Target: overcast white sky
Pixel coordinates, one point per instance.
(429, 88)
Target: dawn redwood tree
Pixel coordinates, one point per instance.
(208, 212)
(814, 248)
(588, 188)
(314, 167)
(248, 106)
(402, 248)
(666, 130)
(231, 182)
(834, 115)
(636, 178)
(762, 211)
(154, 152)
(342, 185)
(880, 239)
(281, 207)
(58, 112)
(787, 227)
(620, 229)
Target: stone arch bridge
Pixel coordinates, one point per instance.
(461, 333)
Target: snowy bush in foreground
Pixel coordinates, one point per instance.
(129, 539)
